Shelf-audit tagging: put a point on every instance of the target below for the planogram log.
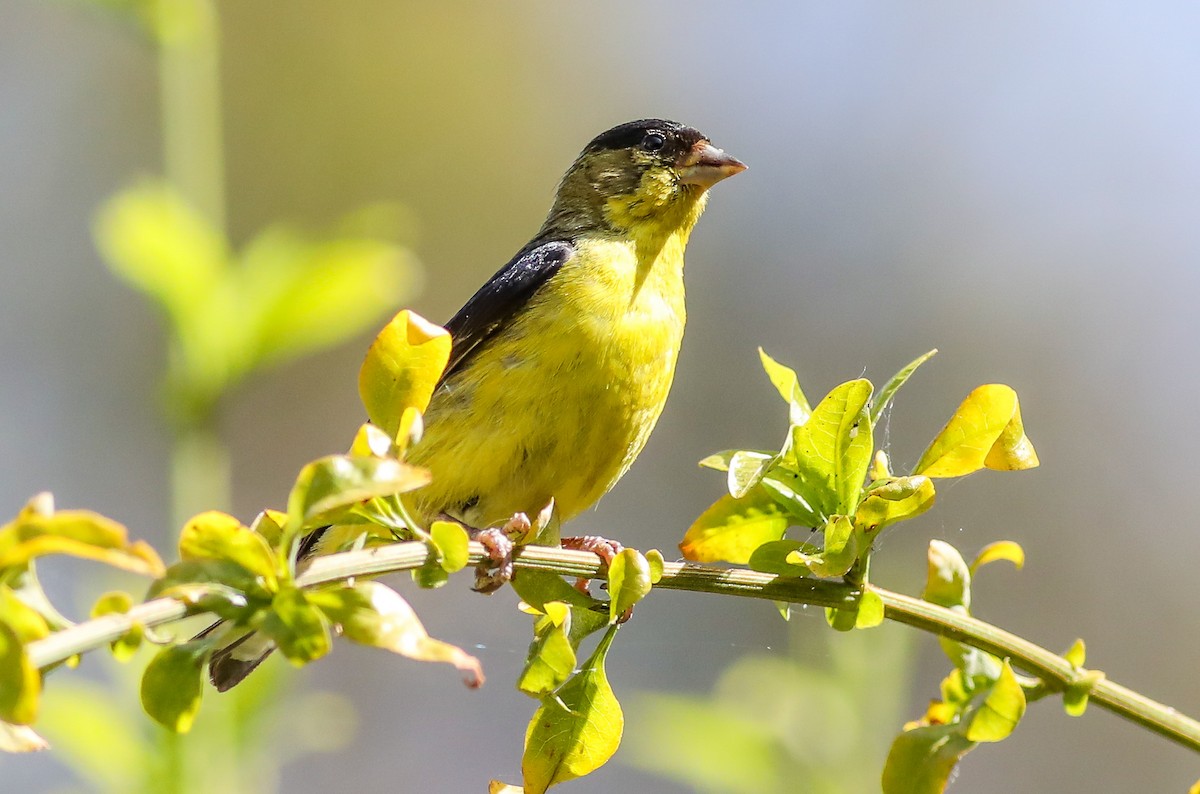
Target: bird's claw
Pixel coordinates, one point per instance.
(603, 548)
(497, 569)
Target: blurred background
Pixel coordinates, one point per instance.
(1014, 183)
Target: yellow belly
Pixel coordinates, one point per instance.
(562, 400)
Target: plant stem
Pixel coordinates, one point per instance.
(200, 472)
(1056, 672)
(190, 103)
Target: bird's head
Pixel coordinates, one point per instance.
(651, 176)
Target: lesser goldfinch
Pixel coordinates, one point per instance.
(561, 363)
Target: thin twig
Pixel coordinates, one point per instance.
(1055, 671)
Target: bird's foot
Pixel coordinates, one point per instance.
(604, 548)
(497, 570)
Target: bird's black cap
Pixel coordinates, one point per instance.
(680, 137)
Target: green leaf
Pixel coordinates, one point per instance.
(118, 603)
(575, 731)
(402, 368)
(839, 552)
(337, 482)
(1077, 653)
(720, 460)
(948, 579)
(370, 441)
(832, 451)
(655, 558)
(299, 628)
(1001, 711)
(219, 536)
(746, 470)
(880, 468)
(303, 296)
(892, 386)
(222, 573)
(777, 557)
(171, 685)
(732, 528)
(788, 385)
(451, 541)
(540, 590)
(149, 236)
(870, 610)
(430, 576)
(20, 681)
(784, 486)
(628, 582)
(114, 602)
(985, 431)
(1075, 701)
(551, 657)
(841, 619)
(1000, 550)
(23, 619)
(894, 499)
(922, 759)
(24, 584)
(1075, 696)
(373, 614)
(270, 524)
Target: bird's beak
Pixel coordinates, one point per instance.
(706, 165)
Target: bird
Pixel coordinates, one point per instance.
(561, 364)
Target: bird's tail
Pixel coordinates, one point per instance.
(242, 650)
(231, 663)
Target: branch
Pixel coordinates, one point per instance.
(1056, 672)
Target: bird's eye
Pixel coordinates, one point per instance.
(654, 141)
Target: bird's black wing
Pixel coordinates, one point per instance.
(502, 297)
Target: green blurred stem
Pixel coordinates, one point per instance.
(190, 103)
(200, 473)
(193, 164)
(1056, 672)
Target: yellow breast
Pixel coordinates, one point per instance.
(562, 400)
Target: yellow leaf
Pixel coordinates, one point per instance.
(732, 529)
(370, 441)
(20, 681)
(948, 579)
(1001, 711)
(79, 533)
(214, 535)
(923, 758)
(870, 610)
(374, 614)
(1000, 550)
(628, 582)
(402, 368)
(985, 431)
(1077, 653)
(894, 499)
(788, 385)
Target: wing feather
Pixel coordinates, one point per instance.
(499, 300)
